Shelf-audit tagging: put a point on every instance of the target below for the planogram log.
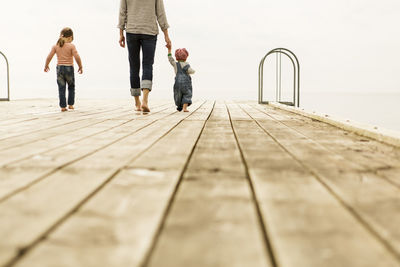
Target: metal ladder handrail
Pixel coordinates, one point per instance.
(296, 83)
(8, 79)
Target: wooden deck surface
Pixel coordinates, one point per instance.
(228, 184)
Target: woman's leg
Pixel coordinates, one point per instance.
(149, 43)
(133, 43)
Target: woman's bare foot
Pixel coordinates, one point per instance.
(64, 109)
(145, 101)
(145, 107)
(71, 107)
(185, 108)
(138, 104)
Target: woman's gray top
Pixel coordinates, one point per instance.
(141, 16)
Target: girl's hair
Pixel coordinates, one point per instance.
(65, 33)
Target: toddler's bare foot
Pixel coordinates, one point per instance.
(145, 107)
(64, 109)
(185, 108)
(71, 107)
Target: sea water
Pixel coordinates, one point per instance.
(381, 109)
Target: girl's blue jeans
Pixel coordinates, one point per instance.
(65, 75)
(148, 45)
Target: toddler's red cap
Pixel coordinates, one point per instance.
(181, 54)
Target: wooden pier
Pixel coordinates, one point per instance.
(232, 184)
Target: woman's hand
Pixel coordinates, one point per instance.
(46, 68)
(168, 41)
(122, 41)
(121, 38)
(80, 70)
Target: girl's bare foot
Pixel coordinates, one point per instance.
(64, 109)
(71, 107)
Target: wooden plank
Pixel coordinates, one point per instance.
(27, 126)
(47, 141)
(42, 122)
(307, 225)
(22, 174)
(117, 226)
(373, 155)
(371, 199)
(33, 213)
(391, 173)
(47, 130)
(213, 220)
(363, 150)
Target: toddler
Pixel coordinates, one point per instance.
(65, 51)
(183, 81)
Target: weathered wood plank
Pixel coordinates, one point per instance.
(363, 150)
(372, 155)
(45, 141)
(20, 174)
(213, 220)
(47, 131)
(39, 122)
(43, 122)
(306, 224)
(371, 199)
(34, 212)
(116, 227)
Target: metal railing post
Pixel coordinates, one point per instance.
(296, 81)
(8, 79)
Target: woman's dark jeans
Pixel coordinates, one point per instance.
(148, 45)
(65, 75)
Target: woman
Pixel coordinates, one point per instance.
(139, 19)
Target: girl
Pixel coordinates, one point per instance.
(183, 81)
(65, 51)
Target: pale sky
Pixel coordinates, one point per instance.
(343, 45)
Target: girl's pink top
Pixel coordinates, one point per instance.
(65, 54)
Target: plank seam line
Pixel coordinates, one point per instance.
(347, 207)
(365, 168)
(146, 259)
(4, 198)
(261, 220)
(23, 251)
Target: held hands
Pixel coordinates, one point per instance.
(169, 46)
